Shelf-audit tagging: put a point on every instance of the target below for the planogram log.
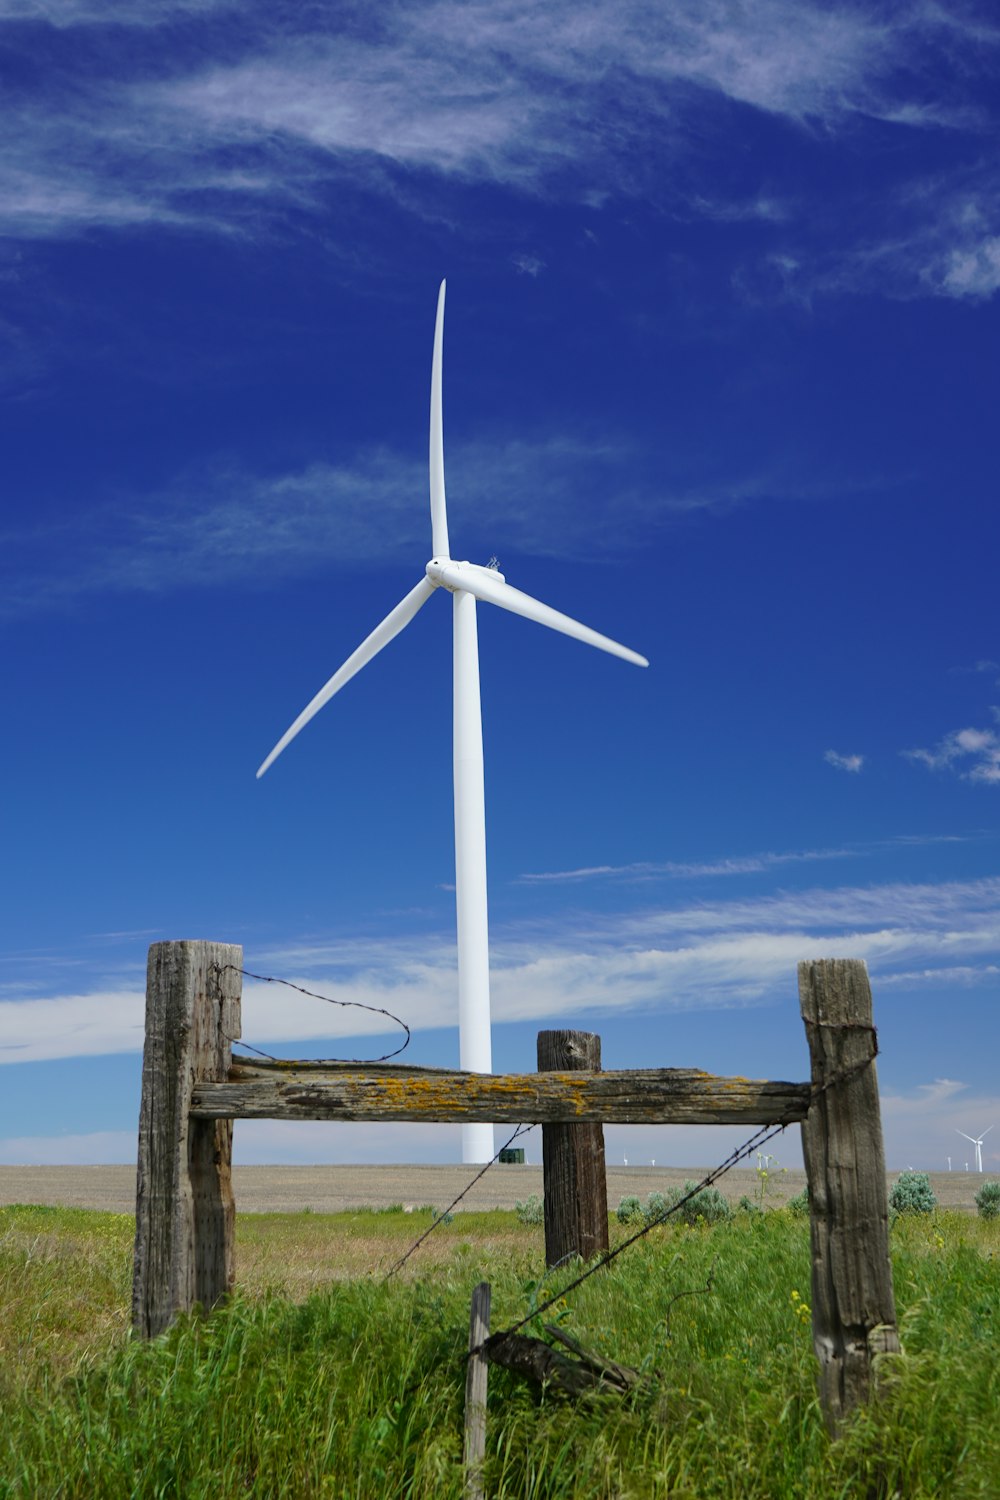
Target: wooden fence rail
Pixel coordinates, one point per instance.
(192, 1091)
(349, 1091)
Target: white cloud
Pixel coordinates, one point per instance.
(973, 271)
(930, 237)
(553, 100)
(750, 864)
(919, 1127)
(221, 524)
(73, 1025)
(976, 751)
(967, 975)
(715, 954)
(69, 1150)
(72, 14)
(925, 1096)
(744, 864)
(277, 1141)
(844, 762)
(923, 1125)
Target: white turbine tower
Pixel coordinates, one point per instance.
(466, 582)
(977, 1141)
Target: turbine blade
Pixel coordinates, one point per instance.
(986, 1132)
(495, 591)
(439, 508)
(967, 1137)
(371, 646)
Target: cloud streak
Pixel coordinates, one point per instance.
(719, 955)
(244, 121)
(748, 864)
(221, 524)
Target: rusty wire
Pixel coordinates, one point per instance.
(377, 1010)
(759, 1138)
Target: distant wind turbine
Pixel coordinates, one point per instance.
(977, 1141)
(466, 582)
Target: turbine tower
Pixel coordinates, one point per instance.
(977, 1141)
(466, 582)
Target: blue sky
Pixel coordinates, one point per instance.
(719, 380)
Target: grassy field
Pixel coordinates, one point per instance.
(321, 1379)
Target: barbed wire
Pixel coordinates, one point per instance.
(765, 1133)
(759, 1138)
(442, 1217)
(377, 1010)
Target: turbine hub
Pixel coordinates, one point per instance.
(437, 566)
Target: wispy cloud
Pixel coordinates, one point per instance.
(242, 119)
(750, 864)
(985, 666)
(952, 251)
(844, 762)
(715, 955)
(221, 524)
(926, 234)
(973, 753)
(742, 864)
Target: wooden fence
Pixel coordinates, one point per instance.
(192, 1091)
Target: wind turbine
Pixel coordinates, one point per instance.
(977, 1141)
(466, 582)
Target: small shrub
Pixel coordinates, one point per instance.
(709, 1205)
(800, 1203)
(748, 1206)
(531, 1212)
(655, 1208)
(630, 1211)
(988, 1200)
(912, 1194)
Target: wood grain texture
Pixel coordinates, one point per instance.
(853, 1307)
(547, 1367)
(476, 1379)
(575, 1183)
(379, 1091)
(184, 1198)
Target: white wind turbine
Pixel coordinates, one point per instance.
(466, 582)
(977, 1141)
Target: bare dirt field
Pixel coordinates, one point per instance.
(330, 1189)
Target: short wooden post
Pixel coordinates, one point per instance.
(853, 1308)
(476, 1378)
(184, 1197)
(573, 1172)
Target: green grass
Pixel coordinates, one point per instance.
(357, 1389)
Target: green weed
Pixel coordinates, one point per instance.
(357, 1390)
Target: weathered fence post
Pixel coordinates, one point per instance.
(476, 1382)
(573, 1174)
(184, 1198)
(853, 1308)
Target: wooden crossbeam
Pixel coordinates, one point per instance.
(351, 1091)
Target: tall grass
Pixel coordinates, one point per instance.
(357, 1391)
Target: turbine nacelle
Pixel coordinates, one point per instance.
(443, 572)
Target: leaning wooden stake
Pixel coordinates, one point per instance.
(476, 1377)
(853, 1308)
(184, 1197)
(573, 1172)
